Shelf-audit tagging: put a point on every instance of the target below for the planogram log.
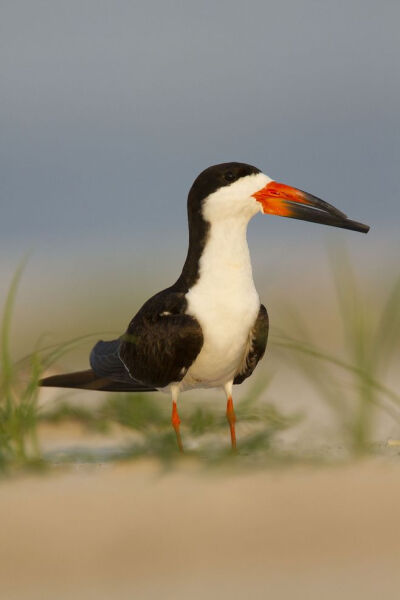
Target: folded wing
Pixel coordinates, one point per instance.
(255, 347)
(161, 341)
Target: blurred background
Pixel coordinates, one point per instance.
(110, 110)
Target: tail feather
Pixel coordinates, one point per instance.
(88, 380)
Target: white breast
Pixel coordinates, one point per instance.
(225, 302)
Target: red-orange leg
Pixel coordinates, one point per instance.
(175, 420)
(230, 415)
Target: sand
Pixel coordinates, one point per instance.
(132, 530)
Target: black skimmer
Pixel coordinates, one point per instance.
(208, 330)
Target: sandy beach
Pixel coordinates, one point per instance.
(135, 531)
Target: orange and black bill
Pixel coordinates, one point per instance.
(285, 201)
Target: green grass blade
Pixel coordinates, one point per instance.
(287, 342)
(7, 370)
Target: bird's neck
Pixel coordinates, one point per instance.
(217, 250)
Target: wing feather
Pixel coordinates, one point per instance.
(106, 362)
(161, 341)
(256, 345)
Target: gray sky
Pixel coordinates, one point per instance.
(110, 109)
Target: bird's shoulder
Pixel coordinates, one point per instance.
(168, 302)
(161, 341)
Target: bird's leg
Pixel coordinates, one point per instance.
(175, 420)
(230, 413)
(175, 424)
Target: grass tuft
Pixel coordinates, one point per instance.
(18, 403)
(371, 342)
(19, 388)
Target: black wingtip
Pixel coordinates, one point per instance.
(88, 380)
(79, 379)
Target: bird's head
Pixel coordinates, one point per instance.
(239, 190)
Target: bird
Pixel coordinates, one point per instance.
(209, 329)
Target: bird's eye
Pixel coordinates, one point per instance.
(229, 176)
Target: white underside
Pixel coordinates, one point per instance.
(225, 302)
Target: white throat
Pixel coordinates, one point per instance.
(225, 266)
(225, 263)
